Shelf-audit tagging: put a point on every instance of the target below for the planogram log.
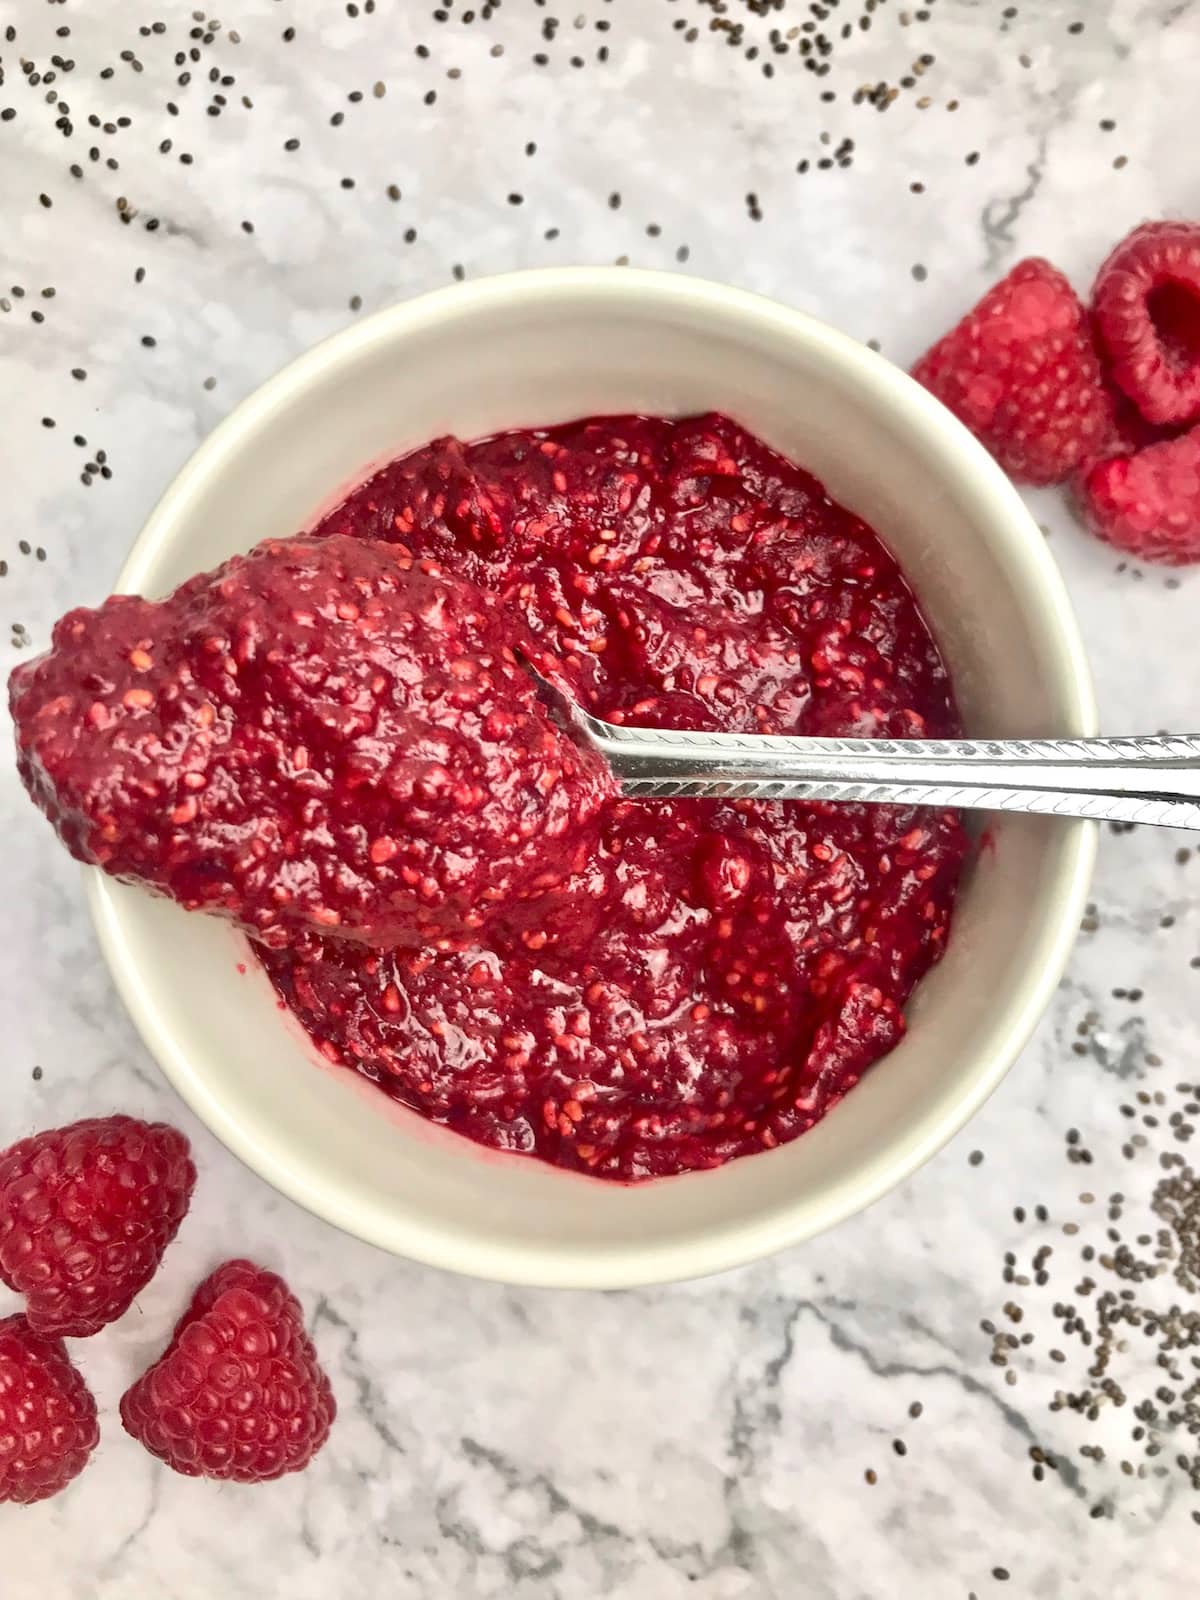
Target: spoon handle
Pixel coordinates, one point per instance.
(1153, 780)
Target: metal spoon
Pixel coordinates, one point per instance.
(1153, 780)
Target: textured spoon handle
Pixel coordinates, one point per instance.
(1153, 780)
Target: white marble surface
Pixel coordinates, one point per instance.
(708, 1440)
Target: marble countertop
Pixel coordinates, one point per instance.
(716, 1439)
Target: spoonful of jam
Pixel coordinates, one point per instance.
(330, 735)
(324, 735)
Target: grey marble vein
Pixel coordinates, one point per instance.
(1001, 215)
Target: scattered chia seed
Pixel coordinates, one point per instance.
(1094, 1325)
(975, 1159)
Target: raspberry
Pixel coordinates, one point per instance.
(86, 1212)
(238, 1393)
(47, 1415)
(1128, 431)
(1147, 311)
(1021, 371)
(1148, 503)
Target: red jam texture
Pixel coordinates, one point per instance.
(324, 734)
(715, 976)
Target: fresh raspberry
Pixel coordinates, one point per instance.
(47, 1415)
(1128, 431)
(86, 1212)
(1148, 503)
(1021, 371)
(239, 1392)
(1147, 311)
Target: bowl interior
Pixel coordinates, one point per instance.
(542, 348)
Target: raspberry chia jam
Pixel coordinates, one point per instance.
(331, 741)
(720, 974)
(324, 734)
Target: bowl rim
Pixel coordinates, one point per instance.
(637, 1263)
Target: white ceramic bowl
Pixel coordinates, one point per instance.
(544, 347)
